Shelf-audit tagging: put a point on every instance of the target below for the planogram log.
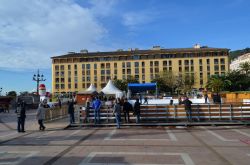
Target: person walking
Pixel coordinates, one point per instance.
(71, 111)
(137, 110)
(188, 108)
(87, 108)
(127, 107)
(40, 115)
(97, 108)
(206, 97)
(145, 100)
(21, 115)
(117, 113)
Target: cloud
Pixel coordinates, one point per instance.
(135, 19)
(33, 31)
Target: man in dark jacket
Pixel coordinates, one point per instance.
(187, 103)
(137, 110)
(71, 111)
(21, 115)
(127, 107)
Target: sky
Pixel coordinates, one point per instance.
(31, 32)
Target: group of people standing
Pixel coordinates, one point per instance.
(119, 106)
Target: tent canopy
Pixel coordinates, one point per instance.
(91, 88)
(110, 89)
(136, 87)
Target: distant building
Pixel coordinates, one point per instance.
(235, 64)
(75, 72)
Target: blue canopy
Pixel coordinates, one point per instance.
(136, 87)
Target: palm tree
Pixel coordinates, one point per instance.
(217, 83)
(245, 67)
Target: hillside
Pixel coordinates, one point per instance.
(236, 53)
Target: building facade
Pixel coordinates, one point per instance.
(235, 64)
(75, 72)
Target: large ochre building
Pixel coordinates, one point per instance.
(75, 72)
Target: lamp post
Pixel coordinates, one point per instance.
(1, 89)
(37, 77)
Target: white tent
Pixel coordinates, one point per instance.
(110, 89)
(91, 88)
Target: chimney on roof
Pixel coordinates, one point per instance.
(197, 46)
(156, 47)
(84, 51)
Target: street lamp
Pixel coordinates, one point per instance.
(1, 89)
(37, 77)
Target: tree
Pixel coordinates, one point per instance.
(217, 83)
(12, 93)
(240, 81)
(120, 84)
(169, 79)
(161, 84)
(185, 82)
(245, 67)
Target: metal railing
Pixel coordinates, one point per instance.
(172, 113)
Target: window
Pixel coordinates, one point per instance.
(192, 68)
(216, 68)
(222, 61)
(115, 71)
(102, 65)
(76, 86)
(123, 64)
(57, 80)
(83, 85)
(56, 67)
(136, 57)
(156, 70)
(88, 66)
(208, 61)
(180, 69)
(143, 64)
(129, 71)
(170, 68)
(95, 66)
(76, 80)
(156, 63)
(75, 73)
(200, 61)
(69, 67)
(88, 78)
(179, 62)
(170, 63)
(200, 68)
(151, 63)
(75, 66)
(83, 66)
(143, 70)
(69, 79)
(62, 67)
(102, 72)
(115, 65)
(136, 64)
(69, 86)
(62, 86)
(165, 63)
(186, 62)
(216, 61)
(186, 68)
(107, 65)
(123, 71)
(69, 73)
(128, 65)
(222, 67)
(192, 62)
(136, 70)
(208, 68)
(102, 78)
(95, 72)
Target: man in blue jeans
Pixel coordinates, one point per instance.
(97, 106)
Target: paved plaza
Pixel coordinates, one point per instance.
(199, 145)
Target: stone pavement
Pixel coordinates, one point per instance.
(199, 145)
